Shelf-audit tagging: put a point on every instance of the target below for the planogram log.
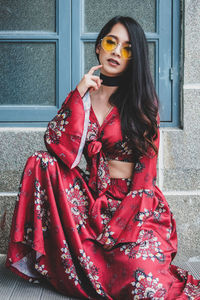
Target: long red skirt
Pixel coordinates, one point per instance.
(51, 240)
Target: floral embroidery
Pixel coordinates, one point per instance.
(106, 237)
(109, 212)
(160, 209)
(141, 216)
(192, 290)
(147, 287)
(148, 247)
(28, 234)
(103, 175)
(123, 147)
(105, 219)
(41, 269)
(45, 159)
(169, 231)
(42, 206)
(78, 202)
(113, 205)
(182, 273)
(68, 264)
(148, 192)
(92, 272)
(129, 249)
(57, 126)
(123, 150)
(92, 131)
(139, 167)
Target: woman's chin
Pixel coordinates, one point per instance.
(111, 72)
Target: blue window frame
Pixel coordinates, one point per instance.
(166, 39)
(39, 115)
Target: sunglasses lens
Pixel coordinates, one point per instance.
(109, 43)
(126, 52)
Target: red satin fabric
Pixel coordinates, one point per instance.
(91, 236)
(94, 148)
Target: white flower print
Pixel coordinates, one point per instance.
(45, 159)
(106, 237)
(103, 175)
(68, 263)
(78, 202)
(92, 272)
(42, 206)
(140, 193)
(142, 216)
(57, 126)
(192, 290)
(41, 269)
(169, 231)
(147, 287)
(110, 210)
(92, 131)
(28, 234)
(146, 247)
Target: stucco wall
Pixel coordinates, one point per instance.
(179, 157)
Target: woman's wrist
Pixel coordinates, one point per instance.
(81, 89)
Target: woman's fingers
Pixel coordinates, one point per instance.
(94, 68)
(94, 78)
(89, 81)
(97, 80)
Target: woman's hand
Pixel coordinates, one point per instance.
(89, 81)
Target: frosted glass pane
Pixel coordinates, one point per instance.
(152, 59)
(27, 15)
(97, 13)
(27, 73)
(90, 57)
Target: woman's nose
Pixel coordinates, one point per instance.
(117, 50)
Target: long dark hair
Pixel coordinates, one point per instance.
(136, 98)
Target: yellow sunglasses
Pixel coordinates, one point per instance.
(109, 44)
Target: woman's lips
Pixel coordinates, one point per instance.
(113, 62)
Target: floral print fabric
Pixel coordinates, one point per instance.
(89, 235)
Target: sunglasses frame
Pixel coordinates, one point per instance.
(107, 36)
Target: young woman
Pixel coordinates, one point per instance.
(108, 232)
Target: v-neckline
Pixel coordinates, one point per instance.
(106, 117)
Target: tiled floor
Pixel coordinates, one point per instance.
(14, 288)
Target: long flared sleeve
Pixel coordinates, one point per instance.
(136, 207)
(66, 132)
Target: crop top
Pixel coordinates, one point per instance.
(104, 143)
(76, 130)
(108, 136)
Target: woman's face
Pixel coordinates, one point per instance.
(113, 62)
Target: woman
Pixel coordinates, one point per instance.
(106, 233)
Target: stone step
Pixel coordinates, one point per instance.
(13, 287)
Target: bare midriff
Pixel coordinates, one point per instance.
(120, 169)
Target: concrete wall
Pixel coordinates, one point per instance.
(179, 157)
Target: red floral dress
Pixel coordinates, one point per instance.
(89, 235)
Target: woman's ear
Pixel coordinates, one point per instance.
(98, 48)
